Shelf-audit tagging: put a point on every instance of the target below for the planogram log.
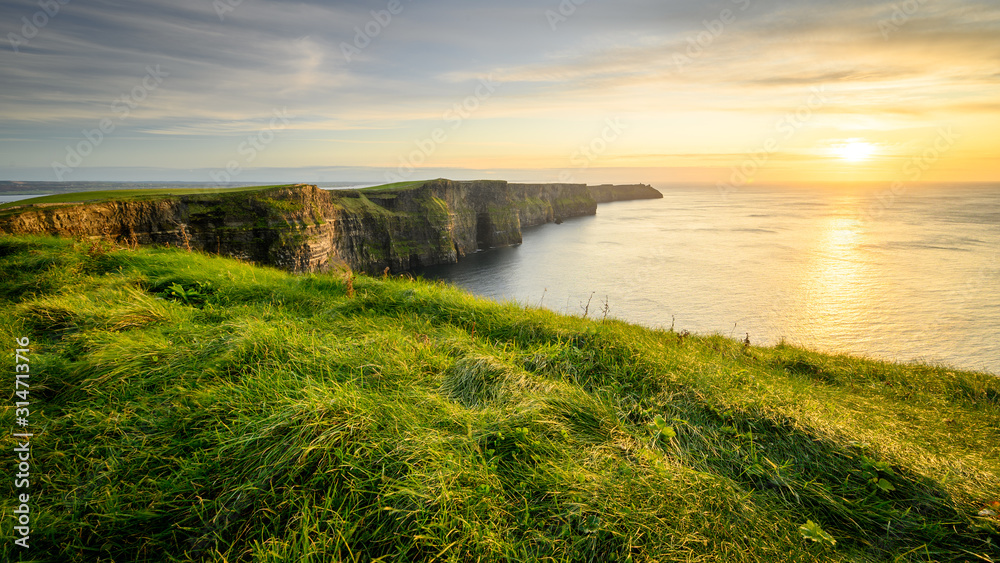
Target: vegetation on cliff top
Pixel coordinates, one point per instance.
(139, 193)
(395, 187)
(191, 407)
(130, 195)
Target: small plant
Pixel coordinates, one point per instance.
(663, 431)
(590, 525)
(586, 308)
(875, 473)
(813, 532)
(188, 296)
(350, 284)
(184, 235)
(132, 241)
(544, 290)
(99, 247)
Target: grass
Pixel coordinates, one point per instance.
(194, 408)
(131, 195)
(402, 186)
(394, 187)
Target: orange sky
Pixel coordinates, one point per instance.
(730, 91)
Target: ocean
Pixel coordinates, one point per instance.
(907, 276)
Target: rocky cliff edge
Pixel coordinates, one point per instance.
(302, 228)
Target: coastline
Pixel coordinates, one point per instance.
(302, 228)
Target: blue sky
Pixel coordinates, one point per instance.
(185, 90)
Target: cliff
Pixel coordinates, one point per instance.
(283, 226)
(440, 221)
(607, 192)
(302, 228)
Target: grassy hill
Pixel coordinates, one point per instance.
(188, 407)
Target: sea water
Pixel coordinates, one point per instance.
(910, 274)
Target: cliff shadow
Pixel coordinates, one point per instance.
(484, 231)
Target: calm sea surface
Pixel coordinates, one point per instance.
(915, 276)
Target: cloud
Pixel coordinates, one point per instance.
(768, 55)
(647, 57)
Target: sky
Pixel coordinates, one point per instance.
(729, 92)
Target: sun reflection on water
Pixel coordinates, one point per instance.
(836, 285)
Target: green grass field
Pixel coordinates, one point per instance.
(138, 194)
(395, 187)
(195, 408)
(116, 195)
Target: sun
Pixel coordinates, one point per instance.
(854, 150)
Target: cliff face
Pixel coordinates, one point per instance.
(440, 221)
(283, 227)
(303, 228)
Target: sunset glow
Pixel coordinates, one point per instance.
(849, 91)
(855, 151)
